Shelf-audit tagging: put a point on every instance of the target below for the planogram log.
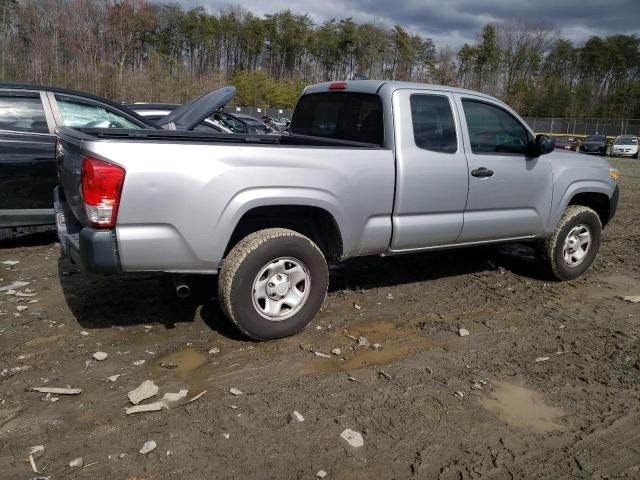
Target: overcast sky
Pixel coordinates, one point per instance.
(454, 22)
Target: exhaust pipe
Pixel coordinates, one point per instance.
(182, 289)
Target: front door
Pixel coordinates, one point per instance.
(509, 191)
(431, 170)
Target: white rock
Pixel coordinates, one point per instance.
(11, 263)
(58, 391)
(22, 308)
(323, 355)
(148, 407)
(137, 363)
(84, 333)
(463, 332)
(542, 359)
(296, 416)
(321, 474)
(363, 342)
(376, 346)
(235, 391)
(14, 286)
(76, 462)
(36, 451)
(336, 351)
(174, 397)
(459, 395)
(100, 356)
(214, 350)
(226, 435)
(113, 378)
(357, 307)
(352, 437)
(632, 298)
(146, 389)
(148, 446)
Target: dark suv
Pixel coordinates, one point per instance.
(29, 115)
(594, 144)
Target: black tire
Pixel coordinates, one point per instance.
(247, 259)
(551, 250)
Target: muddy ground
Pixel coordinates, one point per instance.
(574, 415)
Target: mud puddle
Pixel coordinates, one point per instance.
(397, 341)
(614, 286)
(524, 408)
(182, 366)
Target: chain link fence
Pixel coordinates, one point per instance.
(585, 126)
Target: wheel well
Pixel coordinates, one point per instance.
(598, 202)
(313, 222)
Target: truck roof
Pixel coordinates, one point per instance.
(379, 86)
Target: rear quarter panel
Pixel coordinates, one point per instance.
(182, 201)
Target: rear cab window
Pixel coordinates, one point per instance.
(22, 112)
(433, 125)
(350, 116)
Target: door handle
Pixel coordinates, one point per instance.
(482, 172)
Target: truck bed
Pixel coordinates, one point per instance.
(175, 136)
(184, 192)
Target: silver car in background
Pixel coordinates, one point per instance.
(625, 146)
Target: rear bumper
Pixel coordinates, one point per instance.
(94, 250)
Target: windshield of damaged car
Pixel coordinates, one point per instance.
(78, 114)
(596, 139)
(348, 116)
(626, 141)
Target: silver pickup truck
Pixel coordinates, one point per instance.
(369, 168)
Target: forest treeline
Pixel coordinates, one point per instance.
(140, 50)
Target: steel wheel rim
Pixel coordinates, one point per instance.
(577, 245)
(281, 288)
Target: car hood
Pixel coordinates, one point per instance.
(574, 159)
(192, 113)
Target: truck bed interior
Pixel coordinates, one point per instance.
(173, 136)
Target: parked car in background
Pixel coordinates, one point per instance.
(29, 114)
(255, 125)
(625, 146)
(566, 143)
(157, 111)
(594, 144)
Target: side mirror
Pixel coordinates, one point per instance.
(542, 145)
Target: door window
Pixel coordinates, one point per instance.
(78, 114)
(492, 130)
(433, 125)
(22, 114)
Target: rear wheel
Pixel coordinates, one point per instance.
(574, 244)
(273, 283)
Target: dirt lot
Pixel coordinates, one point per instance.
(574, 415)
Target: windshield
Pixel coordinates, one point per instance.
(340, 115)
(626, 141)
(596, 138)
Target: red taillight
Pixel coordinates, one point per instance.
(101, 189)
(338, 86)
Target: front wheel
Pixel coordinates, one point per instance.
(273, 283)
(573, 245)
